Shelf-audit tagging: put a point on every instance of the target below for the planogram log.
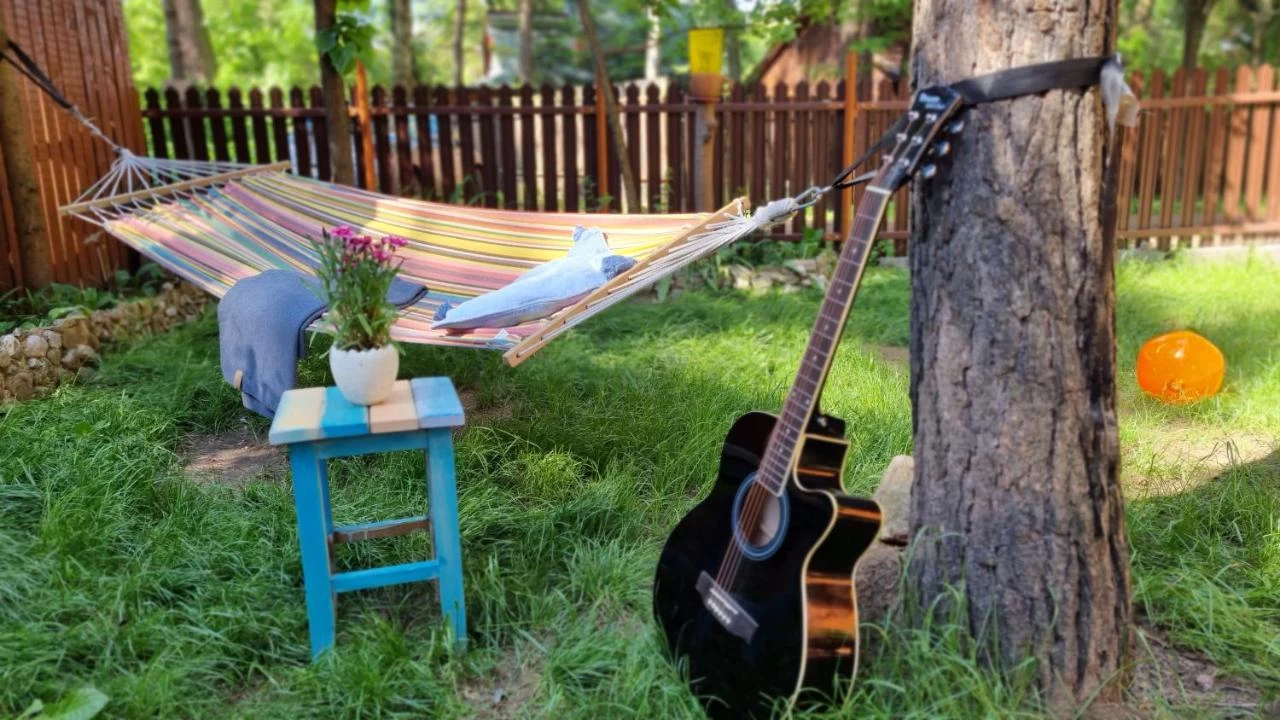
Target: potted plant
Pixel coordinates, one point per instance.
(355, 273)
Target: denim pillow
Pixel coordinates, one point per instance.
(542, 290)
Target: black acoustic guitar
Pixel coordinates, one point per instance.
(754, 588)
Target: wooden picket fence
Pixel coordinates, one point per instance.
(1198, 170)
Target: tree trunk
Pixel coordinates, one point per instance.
(605, 88)
(403, 71)
(653, 46)
(337, 119)
(1195, 17)
(191, 60)
(526, 41)
(732, 42)
(20, 174)
(1017, 500)
(459, 35)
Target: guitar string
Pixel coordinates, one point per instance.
(758, 497)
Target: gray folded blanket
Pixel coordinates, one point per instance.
(262, 322)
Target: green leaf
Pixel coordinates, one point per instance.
(80, 704)
(327, 39)
(343, 58)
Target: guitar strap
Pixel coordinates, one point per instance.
(1026, 80)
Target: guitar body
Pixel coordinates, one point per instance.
(796, 587)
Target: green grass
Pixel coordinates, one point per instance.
(179, 599)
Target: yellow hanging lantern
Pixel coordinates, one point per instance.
(706, 50)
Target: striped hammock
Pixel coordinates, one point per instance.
(214, 223)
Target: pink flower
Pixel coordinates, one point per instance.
(396, 241)
(381, 255)
(343, 231)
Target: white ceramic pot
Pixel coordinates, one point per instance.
(365, 377)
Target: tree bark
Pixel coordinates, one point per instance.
(403, 69)
(653, 45)
(191, 60)
(1017, 501)
(337, 119)
(1195, 18)
(20, 175)
(604, 87)
(459, 35)
(526, 41)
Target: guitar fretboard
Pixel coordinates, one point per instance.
(802, 400)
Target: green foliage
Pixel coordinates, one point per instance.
(19, 308)
(355, 273)
(79, 704)
(347, 40)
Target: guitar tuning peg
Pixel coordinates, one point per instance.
(942, 148)
(955, 126)
(928, 171)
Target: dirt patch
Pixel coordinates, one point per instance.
(509, 693)
(482, 413)
(891, 354)
(1190, 456)
(233, 458)
(1182, 682)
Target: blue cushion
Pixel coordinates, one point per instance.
(542, 291)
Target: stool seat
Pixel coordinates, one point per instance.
(317, 424)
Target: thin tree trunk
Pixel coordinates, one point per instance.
(1017, 500)
(1196, 16)
(459, 35)
(403, 71)
(337, 119)
(732, 42)
(191, 60)
(605, 87)
(526, 41)
(20, 173)
(653, 46)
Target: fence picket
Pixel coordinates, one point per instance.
(569, 143)
(320, 131)
(239, 131)
(407, 180)
(426, 175)
(528, 150)
(301, 135)
(1237, 136)
(1259, 127)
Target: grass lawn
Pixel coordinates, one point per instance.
(180, 597)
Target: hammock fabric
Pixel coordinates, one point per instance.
(215, 223)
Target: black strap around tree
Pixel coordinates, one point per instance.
(999, 85)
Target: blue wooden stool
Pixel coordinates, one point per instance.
(317, 424)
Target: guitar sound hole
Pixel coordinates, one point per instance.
(768, 521)
(759, 520)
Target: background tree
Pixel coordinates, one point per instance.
(337, 118)
(1195, 15)
(459, 39)
(1017, 502)
(526, 41)
(604, 86)
(20, 174)
(191, 60)
(404, 69)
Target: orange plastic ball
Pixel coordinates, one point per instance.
(1180, 367)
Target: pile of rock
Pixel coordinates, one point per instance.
(787, 277)
(36, 360)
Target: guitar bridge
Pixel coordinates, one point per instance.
(725, 609)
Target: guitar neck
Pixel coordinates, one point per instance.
(802, 400)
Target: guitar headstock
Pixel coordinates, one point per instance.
(933, 113)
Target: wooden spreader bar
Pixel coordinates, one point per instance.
(171, 188)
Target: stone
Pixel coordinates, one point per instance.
(35, 346)
(10, 347)
(54, 338)
(894, 497)
(75, 331)
(86, 373)
(760, 281)
(21, 386)
(740, 277)
(171, 311)
(54, 356)
(826, 262)
(36, 363)
(877, 582)
(802, 266)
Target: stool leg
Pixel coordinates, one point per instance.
(313, 540)
(442, 493)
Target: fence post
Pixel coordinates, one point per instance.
(602, 145)
(365, 118)
(704, 150)
(850, 123)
